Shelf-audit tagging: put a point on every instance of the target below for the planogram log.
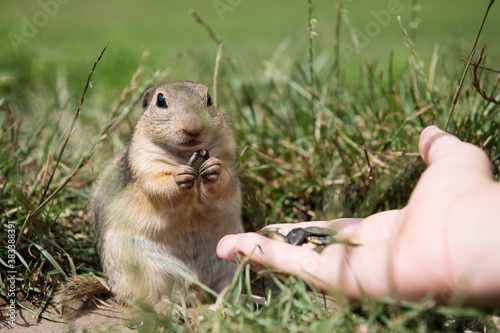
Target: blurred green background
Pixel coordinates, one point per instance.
(40, 37)
(309, 147)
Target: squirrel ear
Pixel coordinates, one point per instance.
(146, 99)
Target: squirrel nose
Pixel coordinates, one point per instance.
(191, 124)
(193, 132)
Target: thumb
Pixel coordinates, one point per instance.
(439, 147)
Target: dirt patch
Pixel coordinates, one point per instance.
(99, 314)
(87, 316)
(83, 316)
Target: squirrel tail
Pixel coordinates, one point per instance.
(78, 287)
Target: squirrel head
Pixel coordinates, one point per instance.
(181, 117)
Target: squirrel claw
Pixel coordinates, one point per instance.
(211, 169)
(185, 176)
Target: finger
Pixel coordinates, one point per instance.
(439, 147)
(227, 246)
(244, 244)
(276, 255)
(290, 258)
(337, 267)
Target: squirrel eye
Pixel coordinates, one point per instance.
(161, 102)
(209, 100)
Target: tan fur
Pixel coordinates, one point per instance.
(78, 287)
(155, 216)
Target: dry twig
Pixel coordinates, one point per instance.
(476, 82)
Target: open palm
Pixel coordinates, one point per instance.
(446, 241)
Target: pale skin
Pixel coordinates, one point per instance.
(445, 242)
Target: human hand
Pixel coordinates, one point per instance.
(445, 241)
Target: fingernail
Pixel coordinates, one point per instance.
(226, 246)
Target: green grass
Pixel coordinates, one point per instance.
(70, 39)
(298, 160)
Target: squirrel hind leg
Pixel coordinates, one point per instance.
(173, 305)
(166, 308)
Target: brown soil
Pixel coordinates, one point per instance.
(88, 316)
(83, 316)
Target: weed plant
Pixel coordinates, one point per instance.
(313, 145)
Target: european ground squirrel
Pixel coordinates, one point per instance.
(157, 218)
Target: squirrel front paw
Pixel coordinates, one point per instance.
(210, 170)
(184, 176)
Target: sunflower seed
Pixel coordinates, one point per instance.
(274, 235)
(199, 157)
(296, 236)
(319, 248)
(322, 240)
(318, 231)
